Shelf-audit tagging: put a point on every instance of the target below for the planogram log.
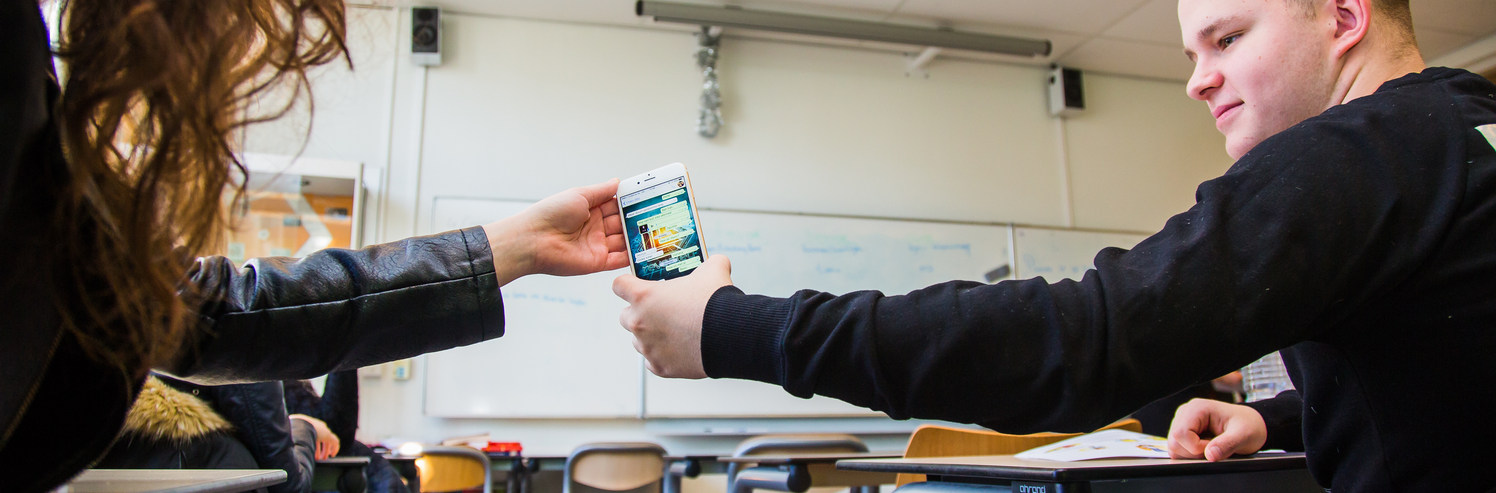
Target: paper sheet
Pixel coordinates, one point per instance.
(1106, 444)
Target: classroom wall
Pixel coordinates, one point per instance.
(523, 108)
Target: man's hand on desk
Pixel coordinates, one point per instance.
(1215, 430)
(665, 316)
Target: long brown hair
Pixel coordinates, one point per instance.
(155, 91)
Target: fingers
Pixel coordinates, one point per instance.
(1190, 422)
(1215, 430)
(1185, 445)
(718, 264)
(616, 260)
(629, 287)
(615, 243)
(1230, 442)
(612, 222)
(599, 194)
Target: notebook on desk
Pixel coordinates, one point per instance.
(1008, 467)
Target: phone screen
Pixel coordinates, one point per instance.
(664, 241)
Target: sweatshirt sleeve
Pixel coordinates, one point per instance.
(284, 318)
(1308, 226)
(1284, 416)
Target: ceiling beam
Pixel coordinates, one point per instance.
(1479, 56)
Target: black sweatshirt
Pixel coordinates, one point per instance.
(1363, 240)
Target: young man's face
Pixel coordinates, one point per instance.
(1260, 65)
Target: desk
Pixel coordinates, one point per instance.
(1005, 473)
(796, 473)
(174, 480)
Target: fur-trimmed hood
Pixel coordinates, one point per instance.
(165, 413)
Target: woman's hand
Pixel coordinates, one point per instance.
(574, 232)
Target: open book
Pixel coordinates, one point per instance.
(1105, 444)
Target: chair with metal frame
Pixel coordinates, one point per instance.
(744, 479)
(636, 467)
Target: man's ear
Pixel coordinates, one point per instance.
(1352, 19)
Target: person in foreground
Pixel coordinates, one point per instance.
(1355, 231)
(111, 187)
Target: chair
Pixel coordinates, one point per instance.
(615, 466)
(453, 468)
(945, 441)
(793, 444)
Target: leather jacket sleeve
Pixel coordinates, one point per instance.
(284, 318)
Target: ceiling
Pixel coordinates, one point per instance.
(1130, 37)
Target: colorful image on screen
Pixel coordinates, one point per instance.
(662, 234)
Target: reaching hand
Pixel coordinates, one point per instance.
(574, 232)
(327, 443)
(665, 316)
(1215, 430)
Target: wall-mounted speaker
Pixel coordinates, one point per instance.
(1066, 96)
(426, 35)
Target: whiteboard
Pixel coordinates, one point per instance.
(563, 353)
(1056, 254)
(778, 254)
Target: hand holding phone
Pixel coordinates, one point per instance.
(660, 224)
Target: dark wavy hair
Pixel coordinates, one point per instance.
(154, 93)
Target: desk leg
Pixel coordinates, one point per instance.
(530, 467)
(410, 474)
(513, 479)
(677, 470)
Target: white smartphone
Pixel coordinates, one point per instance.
(659, 221)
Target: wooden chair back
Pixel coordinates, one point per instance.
(453, 468)
(615, 466)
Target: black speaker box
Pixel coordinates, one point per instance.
(1066, 95)
(426, 35)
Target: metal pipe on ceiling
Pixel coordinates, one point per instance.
(840, 28)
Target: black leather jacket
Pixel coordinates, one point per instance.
(258, 413)
(273, 319)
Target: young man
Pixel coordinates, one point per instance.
(1357, 230)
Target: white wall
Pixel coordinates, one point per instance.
(524, 108)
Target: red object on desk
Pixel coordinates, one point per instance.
(506, 448)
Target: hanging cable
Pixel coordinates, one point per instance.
(709, 119)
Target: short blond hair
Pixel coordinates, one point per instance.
(1400, 12)
(1397, 13)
